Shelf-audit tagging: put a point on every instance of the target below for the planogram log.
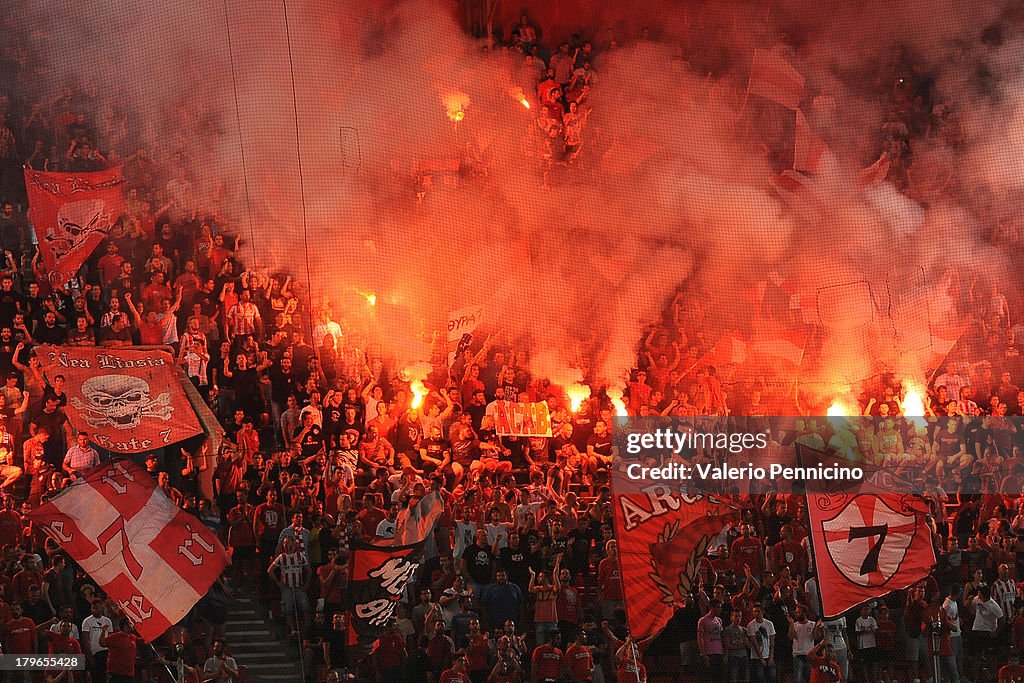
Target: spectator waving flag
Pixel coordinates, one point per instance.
(378, 578)
(153, 559)
(72, 213)
(662, 537)
(417, 521)
(869, 540)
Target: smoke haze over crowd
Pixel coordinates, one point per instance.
(674, 187)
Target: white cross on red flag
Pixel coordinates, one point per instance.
(152, 558)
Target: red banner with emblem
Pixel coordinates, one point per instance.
(71, 214)
(868, 540)
(663, 539)
(130, 401)
(153, 559)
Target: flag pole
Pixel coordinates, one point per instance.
(810, 536)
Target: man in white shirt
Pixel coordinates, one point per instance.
(221, 664)
(92, 629)
(801, 633)
(834, 632)
(951, 608)
(761, 634)
(386, 528)
(865, 628)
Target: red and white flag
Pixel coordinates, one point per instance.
(774, 78)
(808, 148)
(868, 541)
(71, 214)
(129, 401)
(153, 559)
(783, 345)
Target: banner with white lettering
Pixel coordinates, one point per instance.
(129, 401)
(154, 560)
(664, 537)
(461, 325)
(520, 419)
(378, 577)
(72, 213)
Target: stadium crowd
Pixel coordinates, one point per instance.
(520, 579)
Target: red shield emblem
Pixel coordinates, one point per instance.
(867, 540)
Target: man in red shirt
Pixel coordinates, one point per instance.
(747, 551)
(610, 581)
(122, 650)
(389, 655)
(456, 674)
(546, 663)
(1012, 672)
(579, 663)
(478, 652)
(268, 523)
(11, 524)
(824, 665)
(19, 634)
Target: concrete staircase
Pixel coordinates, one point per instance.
(256, 643)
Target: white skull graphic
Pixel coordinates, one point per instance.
(120, 401)
(76, 221)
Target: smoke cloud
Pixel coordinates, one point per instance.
(672, 187)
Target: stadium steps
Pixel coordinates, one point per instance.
(256, 643)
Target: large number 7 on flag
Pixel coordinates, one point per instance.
(870, 563)
(116, 528)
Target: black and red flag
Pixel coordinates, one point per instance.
(378, 578)
(869, 539)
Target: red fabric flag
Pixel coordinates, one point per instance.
(774, 78)
(72, 213)
(129, 401)
(868, 541)
(662, 537)
(152, 558)
(783, 345)
(808, 147)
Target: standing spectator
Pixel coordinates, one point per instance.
(761, 634)
(801, 633)
(294, 575)
(501, 600)
(546, 661)
(709, 641)
(123, 650)
(220, 663)
(610, 581)
(95, 625)
(81, 457)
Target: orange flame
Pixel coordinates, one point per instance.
(913, 403)
(838, 409)
(577, 394)
(418, 393)
(616, 398)
(525, 102)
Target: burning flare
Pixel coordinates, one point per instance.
(578, 393)
(371, 298)
(838, 409)
(455, 106)
(616, 397)
(415, 374)
(525, 102)
(913, 404)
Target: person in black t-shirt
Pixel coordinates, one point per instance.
(478, 562)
